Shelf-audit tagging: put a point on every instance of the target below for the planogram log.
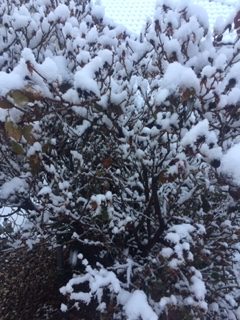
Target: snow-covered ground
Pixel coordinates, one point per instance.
(133, 13)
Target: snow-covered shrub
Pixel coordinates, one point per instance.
(124, 149)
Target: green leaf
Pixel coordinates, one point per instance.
(17, 148)
(27, 133)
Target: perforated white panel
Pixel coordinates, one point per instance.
(133, 13)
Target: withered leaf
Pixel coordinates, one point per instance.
(13, 131)
(94, 205)
(5, 104)
(35, 164)
(19, 97)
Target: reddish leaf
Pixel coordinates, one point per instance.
(237, 22)
(107, 162)
(30, 67)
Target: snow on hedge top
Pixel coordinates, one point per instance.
(124, 11)
(54, 59)
(84, 78)
(201, 129)
(62, 12)
(10, 81)
(198, 287)
(179, 76)
(11, 187)
(137, 306)
(230, 164)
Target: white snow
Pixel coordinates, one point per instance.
(64, 185)
(233, 96)
(21, 18)
(161, 96)
(49, 70)
(12, 186)
(63, 307)
(208, 71)
(201, 129)
(167, 252)
(137, 306)
(62, 12)
(84, 78)
(77, 156)
(82, 128)
(172, 300)
(36, 147)
(166, 120)
(238, 313)
(28, 55)
(45, 190)
(9, 81)
(105, 278)
(83, 57)
(173, 237)
(198, 11)
(92, 35)
(81, 296)
(230, 164)
(183, 230)
(178, 76)
(98, 11)
(71, 96)
(180, 238)
(198, 287)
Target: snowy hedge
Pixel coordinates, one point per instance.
(124, 150)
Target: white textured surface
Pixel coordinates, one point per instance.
(133, 13)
